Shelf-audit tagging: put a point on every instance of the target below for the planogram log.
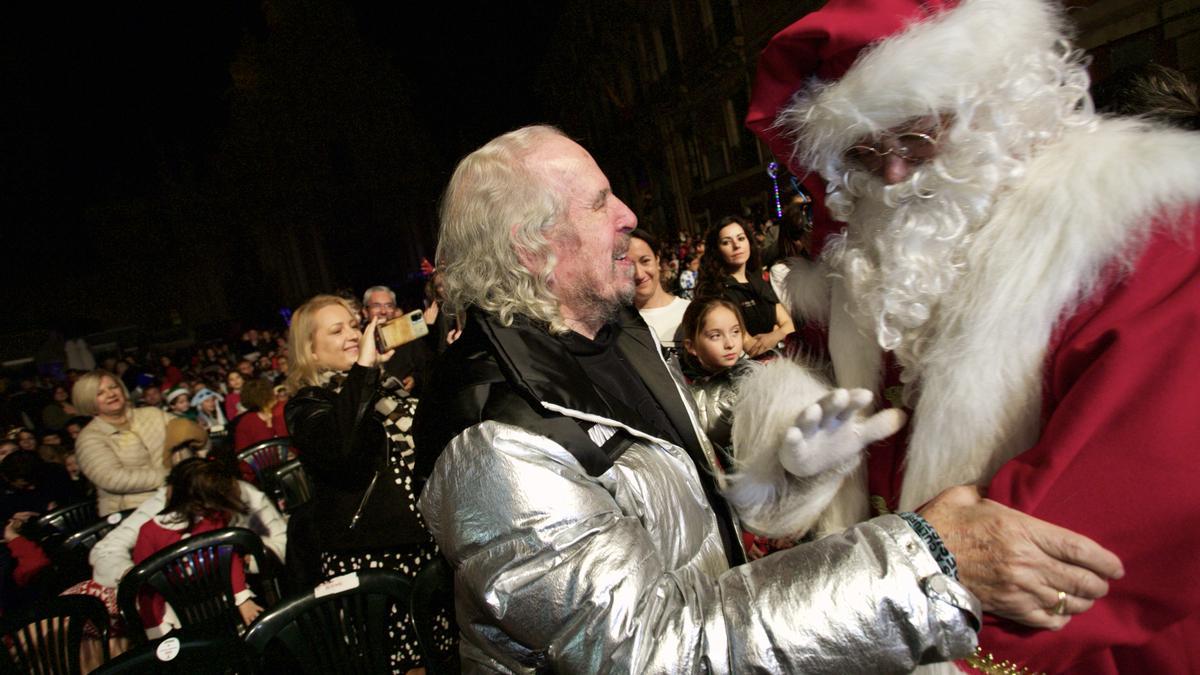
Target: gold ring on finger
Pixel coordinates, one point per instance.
(1061, 607)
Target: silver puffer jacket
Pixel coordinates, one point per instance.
(715, 396)
(565, 570)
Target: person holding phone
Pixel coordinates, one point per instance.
(410, 361)
(353, 433)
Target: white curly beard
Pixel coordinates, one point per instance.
(905, 245)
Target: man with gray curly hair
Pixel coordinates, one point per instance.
(583, 511)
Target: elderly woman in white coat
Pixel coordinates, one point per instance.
(121, 449)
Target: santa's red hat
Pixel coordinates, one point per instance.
(856, 67)
(821, 47)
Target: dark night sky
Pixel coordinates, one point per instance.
(148, 146)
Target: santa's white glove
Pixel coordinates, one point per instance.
(832, 431)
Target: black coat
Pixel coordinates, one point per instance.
(505, 373)
(755, 298)
(342, 444)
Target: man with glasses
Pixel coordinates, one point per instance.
(409, 363)
(1023, 277)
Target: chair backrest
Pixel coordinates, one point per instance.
(193, 576)
(70, 518)
(288, 484)
(46, 639)
(433, 590)
(340, 627)
(183, 654)
(265, 454)
(71, 556)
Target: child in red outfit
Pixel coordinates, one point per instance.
(29, 557)
(201, 497)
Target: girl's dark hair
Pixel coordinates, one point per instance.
(202, 489)
(712, 264)
(693, 322)
(257, 393)
(651, 241)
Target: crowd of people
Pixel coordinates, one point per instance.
(640, 454)
(142, 434)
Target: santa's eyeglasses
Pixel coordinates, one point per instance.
(911, 146)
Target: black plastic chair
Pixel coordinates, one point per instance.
(433, 590)
(265, 455)
(182, 654)
(288, 484)
(46, 639)
(52, 527)
(332, 631)
(193, 576)
(70, 557)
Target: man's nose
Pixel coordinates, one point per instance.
(895, 169)
(626, 219)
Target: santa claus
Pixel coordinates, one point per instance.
(1023, 276)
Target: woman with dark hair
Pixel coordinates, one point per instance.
(661, 310)
(795, 230)
(730, 269)
(201, 497)
(264, 417)
(234, 381)
(56, 413)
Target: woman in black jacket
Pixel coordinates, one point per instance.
(730, 269)
(352, 431)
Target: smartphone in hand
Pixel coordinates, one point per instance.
(400, 331)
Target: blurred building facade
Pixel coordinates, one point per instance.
(658, 91)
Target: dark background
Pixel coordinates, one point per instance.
(177, 170)
(192, 162)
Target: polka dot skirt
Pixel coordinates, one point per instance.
(407, 561)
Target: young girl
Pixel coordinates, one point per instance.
(713, 333)
(207, 404)
(233, 394)
(179, 402)
(201, 497)
(795, 438)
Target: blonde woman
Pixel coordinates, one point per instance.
(354, 439)
(121, 450)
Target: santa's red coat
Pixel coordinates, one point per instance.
(1117, 460)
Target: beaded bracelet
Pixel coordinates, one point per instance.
(937, 548)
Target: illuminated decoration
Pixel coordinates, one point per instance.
(773, 172)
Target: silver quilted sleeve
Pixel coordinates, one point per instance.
(557, 570)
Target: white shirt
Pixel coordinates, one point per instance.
(665, 321)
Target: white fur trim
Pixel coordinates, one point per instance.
(857, 361)
(805, 290)
(857, 364)
(769, 500)
(931, 65)
(1086, 202)
(172, 522)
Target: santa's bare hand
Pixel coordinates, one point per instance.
(1017, 564)
(832, 431)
